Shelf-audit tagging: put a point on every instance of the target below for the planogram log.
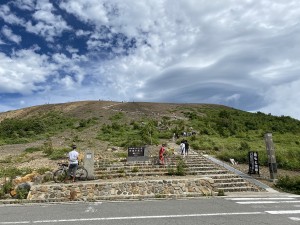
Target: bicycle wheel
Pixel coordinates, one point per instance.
(59, 175)
(81, 174)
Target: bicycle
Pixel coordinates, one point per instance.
(61, 173)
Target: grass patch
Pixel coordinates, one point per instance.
(33, 149)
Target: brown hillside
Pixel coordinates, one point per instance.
(86, 139)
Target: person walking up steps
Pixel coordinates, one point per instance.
(161, 154)
(182, 147)
(187, 147)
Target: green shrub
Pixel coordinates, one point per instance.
(221, 192)
(8, 159)
(2, 194)
(289, 184)
(7, 186)
(13, 171)
(135, 170)
(180, 168)
(171, 171)
(120, 154)
(33, 149)
(59, 153)
(117, 116)
(43, 170)
(48, 147)
(21, 193)
(244, 146)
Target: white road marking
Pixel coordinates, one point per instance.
(18, 222)
(284, 212)
(266, 202)
(135, 217)
(295, 218)
(90, 209)
(249, 199)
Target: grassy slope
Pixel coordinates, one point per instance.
(223, 131)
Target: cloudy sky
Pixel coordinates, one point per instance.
(239, 53)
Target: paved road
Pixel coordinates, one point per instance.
(264, 209)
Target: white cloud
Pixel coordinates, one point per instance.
(283, 99)
(22, 72)
(47, 23)
(9, 17)
(92, 11)
(72, 50)
(25, 4)
(82, 33)
(7, 32)
(232, 52)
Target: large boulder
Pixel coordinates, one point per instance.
(21, 191)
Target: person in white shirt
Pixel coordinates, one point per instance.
(182, 147)
(73, 163)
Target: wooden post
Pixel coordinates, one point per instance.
(271, 156)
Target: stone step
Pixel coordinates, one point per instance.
(129, 167)
(232, 184)
(155, 168)
(195, 168)
(234, 179)
(207, 172)
(238, 189)
(197, 165)
(113, 169)
(115, 175)
(223, 176)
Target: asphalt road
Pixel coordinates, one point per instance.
(275, 209)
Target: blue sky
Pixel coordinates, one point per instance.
(239, 53)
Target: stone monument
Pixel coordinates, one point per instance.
(139, 154)
(88, 163)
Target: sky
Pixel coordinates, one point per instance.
(239, 53)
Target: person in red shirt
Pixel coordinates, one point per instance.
(161, 154)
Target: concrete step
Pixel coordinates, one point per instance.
(238, 189)
(128, 174)
(232, 184)
(207, 172)
(233, 180)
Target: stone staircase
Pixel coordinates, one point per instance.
(197, 166)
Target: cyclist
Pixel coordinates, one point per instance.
(73, 162)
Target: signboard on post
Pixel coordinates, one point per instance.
(271, 156)
(253, 163)
(137, 154)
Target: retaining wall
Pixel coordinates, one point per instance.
(92, 191)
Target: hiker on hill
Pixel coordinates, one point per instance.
(162, 151)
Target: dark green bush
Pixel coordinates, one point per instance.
(13, 171)
(289, 184)
(180, 168)
(33, 149)
(59, 153)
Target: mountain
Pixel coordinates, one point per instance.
(109, 127)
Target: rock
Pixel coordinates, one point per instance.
(21, 191)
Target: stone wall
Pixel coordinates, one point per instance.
(92, 191)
